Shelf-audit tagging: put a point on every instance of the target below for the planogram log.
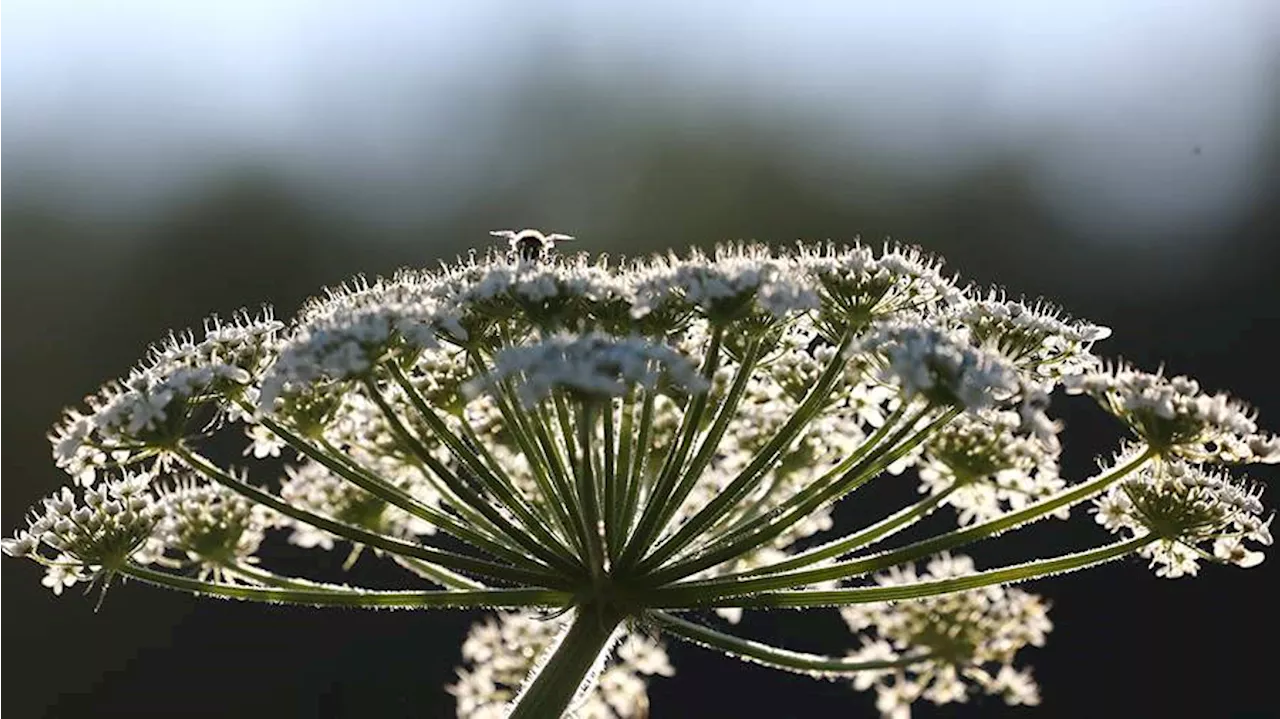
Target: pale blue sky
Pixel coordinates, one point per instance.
(128, 100)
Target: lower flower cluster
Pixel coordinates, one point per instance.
(962, 642)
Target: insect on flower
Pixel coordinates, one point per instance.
(531, 244)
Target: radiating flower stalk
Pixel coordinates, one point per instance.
(608, 448)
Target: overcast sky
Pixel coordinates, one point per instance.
(1149, 111)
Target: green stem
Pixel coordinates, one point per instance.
(560, 472)
(649, 526)
(439, 575)
(928, 547)
(710, 443)
(884, 528)
(517, 534)
(264, 577)
(459, 562)
(749, 519)
(541, 503)
(508, 496)
(775, 657)
(516, 424)
(620, 523)
(587, 489)
(549, 692)
(691, 597)
(771, 525)
(723, 502)
(639, 466)
(852, 468)
(610, 452)
(335, 596)
(335, 462)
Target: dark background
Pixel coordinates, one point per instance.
(165, 163)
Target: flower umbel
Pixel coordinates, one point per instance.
(1197, 513)
(602, 447)
(1176, 418)
(963, 642)
(93, 530)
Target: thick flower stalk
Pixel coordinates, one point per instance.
(604, 446)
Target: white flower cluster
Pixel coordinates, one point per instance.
(99, 530)
(593, 365)
(563, 292)
(1175, 417)
(1034, 337)
(942, 367)
(859, 287)
(966, 641)
(737, 281)
(210, 525)
(127, 420)
(502, 650)
(346, 333)
(992, 466)
(1187, 507)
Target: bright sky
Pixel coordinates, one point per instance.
(1149, 111)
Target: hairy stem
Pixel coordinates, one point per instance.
(679, 597)
(336, 596)
(774, 657)
(925, 548)
(550, 690)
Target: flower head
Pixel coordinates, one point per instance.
(559, 293)
(1192, 512)
(90, 530)
(737, 282)
(966, 641)
(210, 525)
(1176, 418)
(940, 366)
(620, 440)
(985, 465)
(162, 398)
(1034, 337)
(343, 335)
(858, 287)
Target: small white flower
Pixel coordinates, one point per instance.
(1034, 337)
(126, 418)
(265, 443)
(989, 467)
(736, 281)
(209, 525)
(858, 288)
(87, 529)
(62, 574)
